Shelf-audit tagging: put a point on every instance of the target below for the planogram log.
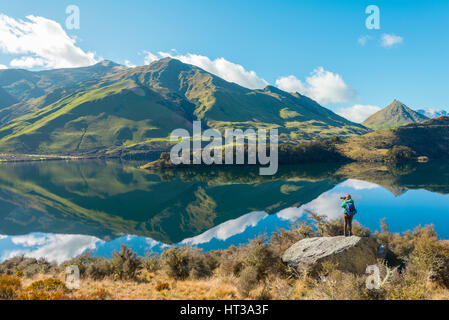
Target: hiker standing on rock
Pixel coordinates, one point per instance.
(348, 213)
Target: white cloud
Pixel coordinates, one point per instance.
(128, 64)
(40, 42)
(54, 247)
(221, 67)
(363, 40)
(358, 184)
(433, 112)
(2, 66)
(290, 84)
(389, 40)
(322, 86)
(327, 204)
(228, 229)
(150, 57)
(357, 113)
(292, 213)
(27, 62)
(29, 240)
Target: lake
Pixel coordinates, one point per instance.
(60, 209)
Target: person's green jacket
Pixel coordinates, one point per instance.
(343, 205)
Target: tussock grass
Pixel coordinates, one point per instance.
(415, 267)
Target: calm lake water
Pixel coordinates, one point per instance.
(60, 209)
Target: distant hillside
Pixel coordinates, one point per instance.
(406, 143)
(24, 84)
(429, 138)
(394, 115)
(135, 109)
(6, 99)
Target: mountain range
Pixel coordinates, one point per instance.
(25, 85)
(394, 115)
(107, 109)
(6, 99)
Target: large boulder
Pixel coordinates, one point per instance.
(350, 254)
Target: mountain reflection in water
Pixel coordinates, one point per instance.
(60, 209)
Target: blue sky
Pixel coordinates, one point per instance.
(274, 39)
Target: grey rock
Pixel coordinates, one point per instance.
(350, 254)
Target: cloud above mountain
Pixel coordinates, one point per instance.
(323, 86)
(221, 67)
(433, 112)
(40, 42)
(358, 112)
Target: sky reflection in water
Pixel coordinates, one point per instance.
(403, 212)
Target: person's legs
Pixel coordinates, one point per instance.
(346, 217)
(350, 224)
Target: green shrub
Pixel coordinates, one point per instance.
(248, 280)
(29, 266)
(176, 262)
(325, 227)
(152, 262)
(232, 261)
(261, 257)
(125, 263)
(430, 255)
(99, 268)
(182, 262)
(81, 261)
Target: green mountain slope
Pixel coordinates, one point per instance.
(6, 99)
(394, 115)
(137, 108)
(221, 104)
(91, 122)
(24, 85)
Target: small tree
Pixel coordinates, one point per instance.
(125, 263)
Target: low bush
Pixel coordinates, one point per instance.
(248, 280)
(99, 269)
(162, 286)
(47, 289)
(9, 287)
(29, 266)
(125, 264)
(50, 284)
(81, 261)
(183, 262)
(151, 262)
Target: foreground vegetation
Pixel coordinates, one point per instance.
(416, 266)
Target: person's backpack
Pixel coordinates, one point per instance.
(350, 208)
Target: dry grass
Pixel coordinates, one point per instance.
(417, 267)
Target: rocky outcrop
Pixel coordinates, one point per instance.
(350, 254)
